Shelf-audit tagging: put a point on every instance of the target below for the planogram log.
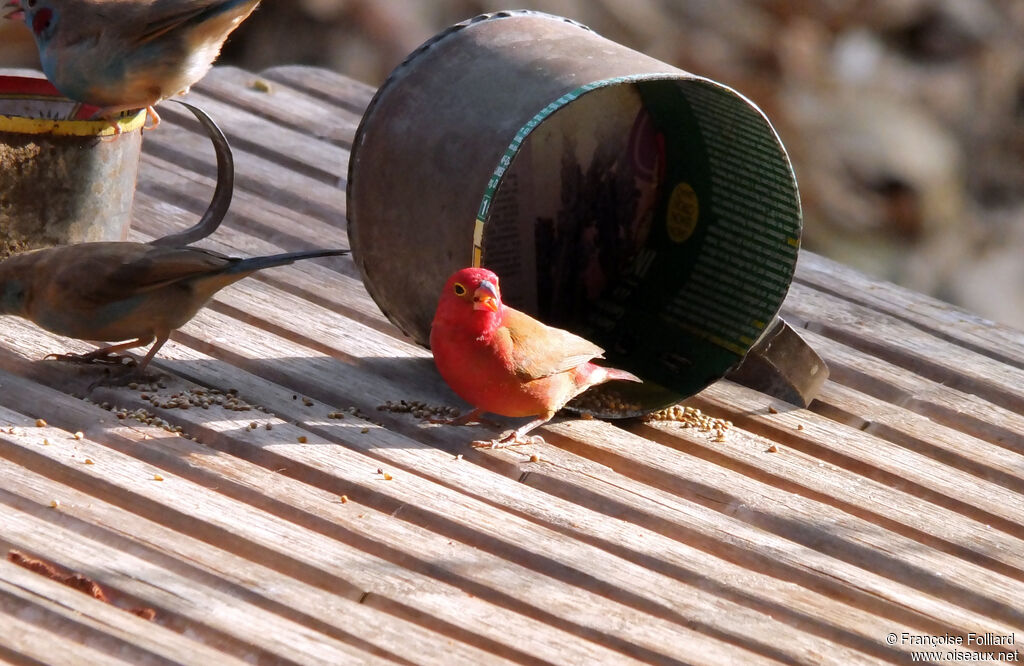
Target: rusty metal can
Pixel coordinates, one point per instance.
(643, 207)
(67, 179)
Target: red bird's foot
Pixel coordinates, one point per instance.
(513, 439)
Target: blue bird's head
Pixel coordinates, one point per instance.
(42, 18)
(39, 15)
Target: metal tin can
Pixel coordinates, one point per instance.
(67, 179)
(643, 207)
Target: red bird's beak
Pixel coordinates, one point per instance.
(13, 11)
(486, 297)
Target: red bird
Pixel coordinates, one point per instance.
(503, 361)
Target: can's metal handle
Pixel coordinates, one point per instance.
(221, 201)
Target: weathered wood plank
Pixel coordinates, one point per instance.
(885, 587)
(935, 317)
(26, 643)
(319, 197)
(896, 507)
(896, 385)
(588, 613)
(376, 533)
(336, 615)
(93, 625)
(984, 504)
(756, 586)
(906, 345)
(910, 430)
(284, 104)
(251, 134)
(324, 84)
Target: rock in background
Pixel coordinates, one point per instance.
(904, 118)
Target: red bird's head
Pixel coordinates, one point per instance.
(472, 298)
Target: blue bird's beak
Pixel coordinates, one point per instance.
(13, 11)
(486, 297)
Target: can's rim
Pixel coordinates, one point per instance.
(397, 72)
(78, 124)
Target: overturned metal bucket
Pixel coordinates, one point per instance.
(643, 207)
(67, 179)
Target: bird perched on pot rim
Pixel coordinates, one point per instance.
(503, 361)
(128, 54)
(114, 291)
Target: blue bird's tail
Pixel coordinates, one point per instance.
(259, 263)
(216, 8)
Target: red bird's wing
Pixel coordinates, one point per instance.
(538, 350)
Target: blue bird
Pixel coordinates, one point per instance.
(122, 55)
(113, 291)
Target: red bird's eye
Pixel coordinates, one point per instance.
(459, 290)
(41, 21)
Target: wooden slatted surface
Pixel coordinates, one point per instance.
(894, 504)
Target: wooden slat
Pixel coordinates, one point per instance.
(92, 626)
(830, 567)
(339, 616)
(590, 616)
(27, 642)
(325, 85)
(907, 346)
(896, 385)
(285, 105)
(956, 325)
(893, 504)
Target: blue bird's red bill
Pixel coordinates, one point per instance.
(13, 11)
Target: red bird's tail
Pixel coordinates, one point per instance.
(591, 374)
(615, 373)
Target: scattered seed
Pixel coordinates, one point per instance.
(302, 439)
(799, 426)
(691, 417)
(157, 477)
(46, 442)
(269, 426)
(773, 449)
(307, 402)
(419, 409)
(79, 435)
(534, 458)
(387, 477)
(40, 423)
(344, 499)
(54, 503)
(365, 430)
(458, 456)
(88, 461)
(772, 410)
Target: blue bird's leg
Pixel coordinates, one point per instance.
(108, 354)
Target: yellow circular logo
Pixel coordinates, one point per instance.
(683, 211)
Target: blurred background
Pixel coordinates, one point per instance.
(904, 118)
